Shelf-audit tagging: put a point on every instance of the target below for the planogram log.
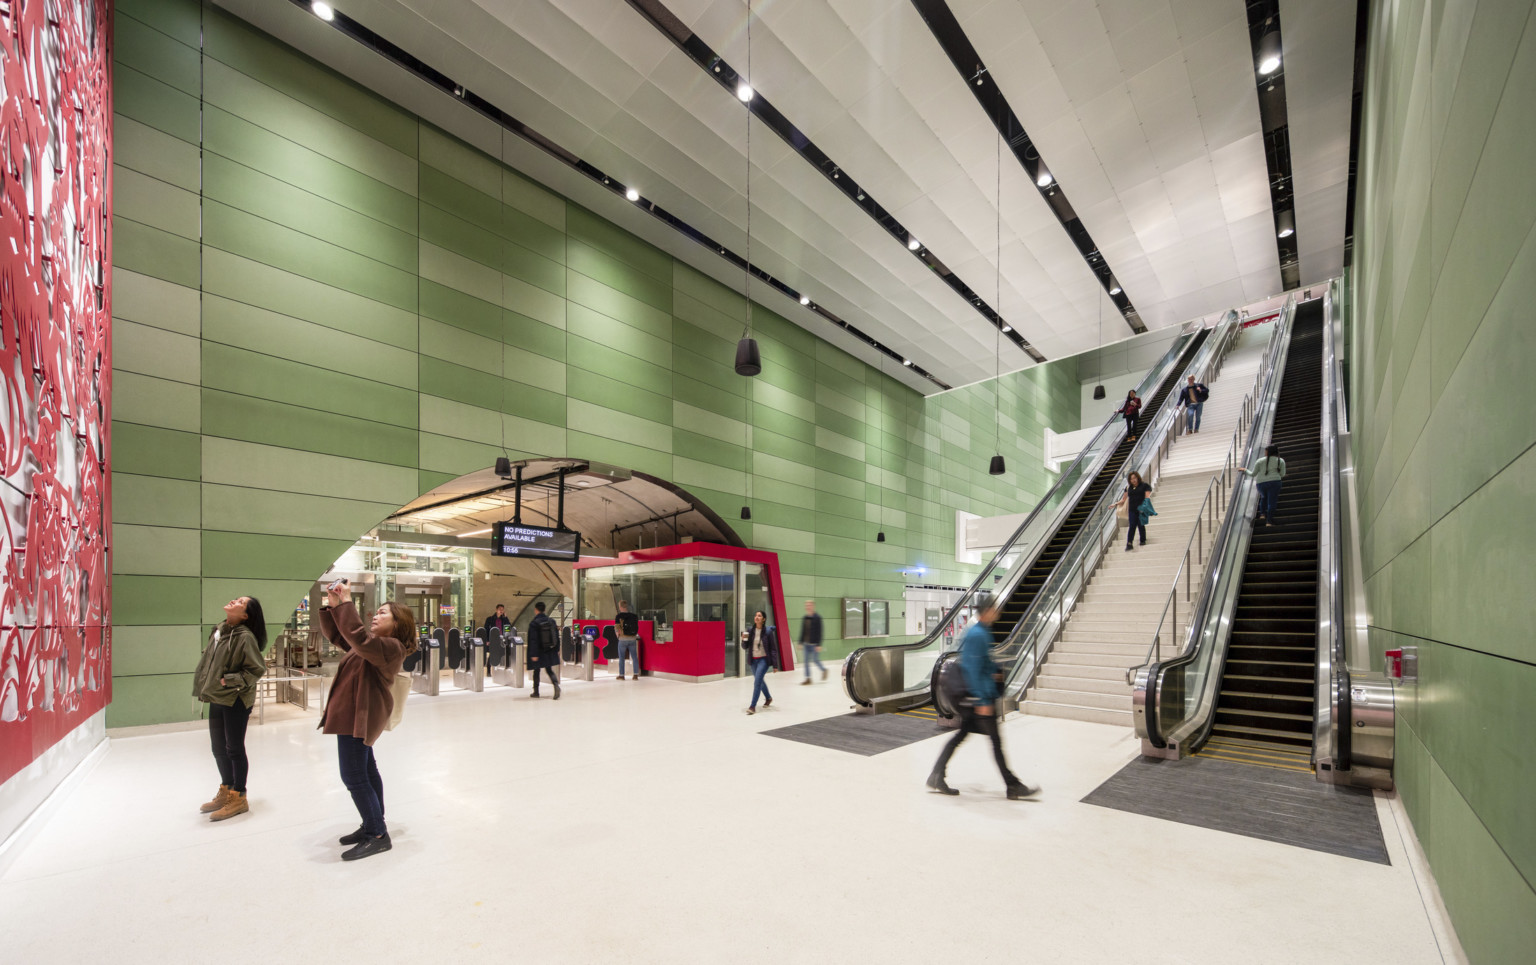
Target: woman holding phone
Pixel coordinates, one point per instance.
(762, 646)
(225, 680)
(361, 701)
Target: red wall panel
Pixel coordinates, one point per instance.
(56, 365)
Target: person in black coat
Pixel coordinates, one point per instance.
(499, 620)
(762, 647)
(543, 648)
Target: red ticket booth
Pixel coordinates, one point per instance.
(694, 601)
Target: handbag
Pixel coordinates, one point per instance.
(400, 688)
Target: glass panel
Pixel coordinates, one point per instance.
(853, 618)
(879, 618)
(714, 598)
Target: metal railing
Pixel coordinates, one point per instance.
(880, 675)
(1025, 648)
(1173, 701)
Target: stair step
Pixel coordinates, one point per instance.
(1050, 683)
(1097, 715)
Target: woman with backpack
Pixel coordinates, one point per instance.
(225, 680)
(1267, 473)
(1136, 492)
(1130, 410)
(361, 701)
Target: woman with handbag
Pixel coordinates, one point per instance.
(1135, 492)
(360, 704)
(225, 680)
(1130, 410)
(762, 647)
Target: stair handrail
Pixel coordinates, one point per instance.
(1107, 439)
(1331, 698)
(1027, 643)
(1225, 480)
(1152, 689)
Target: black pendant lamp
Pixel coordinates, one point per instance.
(749, 361)
(880, 536)
(746, 512)
(1098, 390)
(997, 467)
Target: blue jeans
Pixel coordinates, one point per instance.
(631, 648)
(1192, 416)
(1269, 499)
(812, 652)
(360, 773)
(760, 668)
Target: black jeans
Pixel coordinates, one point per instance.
(974, 723)
(226, 730)
(552, 678)
(1133, 525)
(1130, 426)
(360, 773)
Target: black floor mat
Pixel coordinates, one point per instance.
(866, 734)
(1260, 802)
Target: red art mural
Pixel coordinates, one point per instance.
(56, 365)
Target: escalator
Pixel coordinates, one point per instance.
(896, 677)
(1020, 600)
(1268, 682)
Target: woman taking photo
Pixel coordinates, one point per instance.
(226, 681)
(360, 703)
(762, 646)
(1130, 410)
(1135, 492)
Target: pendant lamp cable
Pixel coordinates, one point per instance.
(997, 467)
(747, 328)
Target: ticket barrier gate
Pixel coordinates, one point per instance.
(469, 672)
(427, 674)
(507, 667)
(588, 640)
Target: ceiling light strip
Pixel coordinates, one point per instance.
(951, 37)
(436, 78)
(726, 76)
(1269, 75)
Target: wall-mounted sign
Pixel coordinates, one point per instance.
(535, 542)
(447, 611)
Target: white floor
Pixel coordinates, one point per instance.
(650, 822)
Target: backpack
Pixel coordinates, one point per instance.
(952, 682)
(1201, 392)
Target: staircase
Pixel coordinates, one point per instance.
(1111, 628)
(1083, 677)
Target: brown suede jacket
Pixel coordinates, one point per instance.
(361, 700)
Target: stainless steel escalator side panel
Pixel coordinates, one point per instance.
(1372, 721)
(1176, 717)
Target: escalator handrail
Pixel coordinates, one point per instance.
(1229, 551)
(1030, 622)
(1331, 734)
(1112, 426)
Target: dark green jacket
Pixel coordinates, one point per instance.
(233, 655)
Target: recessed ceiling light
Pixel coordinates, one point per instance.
(906, 361)
(1269, 52)
(744, 92)
(805, 299)
(913, 244)
(323, 11)
(1287, 224)
(1007, 329)
(583, 483)
(632, 194)
(1043, 179)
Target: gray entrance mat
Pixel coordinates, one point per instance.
(1261, 802)
(866, 734)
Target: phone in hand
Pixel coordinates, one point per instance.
(339, 587)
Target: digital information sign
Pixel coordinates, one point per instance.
(535, 543)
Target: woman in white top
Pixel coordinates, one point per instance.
(762, 646)
(1267, 473)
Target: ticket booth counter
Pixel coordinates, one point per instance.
(694, 601)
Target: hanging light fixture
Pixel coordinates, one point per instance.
(880, 431)
(996, 466)
(1269, 53)
(1098, 390)
(1287, 221)
(749, 360)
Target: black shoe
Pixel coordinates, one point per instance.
(535, 695)
(367, 846)
(1127, 547)
(1018, 792)
(557, 691)
(1143, 542)
(352, 838)
(936, 782)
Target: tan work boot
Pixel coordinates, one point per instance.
(237, 804)
(219, 800)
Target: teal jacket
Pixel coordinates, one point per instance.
(977, 664)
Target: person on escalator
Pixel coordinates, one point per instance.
(1267, 473)
(1136, 492)
(1130, 410)
(978, 708)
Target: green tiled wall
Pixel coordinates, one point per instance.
(1443, 353)
(326, 307)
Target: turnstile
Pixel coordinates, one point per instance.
(469, 672)
(507, 665)
(427, 674)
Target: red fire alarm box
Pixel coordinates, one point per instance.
(1394, 668)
